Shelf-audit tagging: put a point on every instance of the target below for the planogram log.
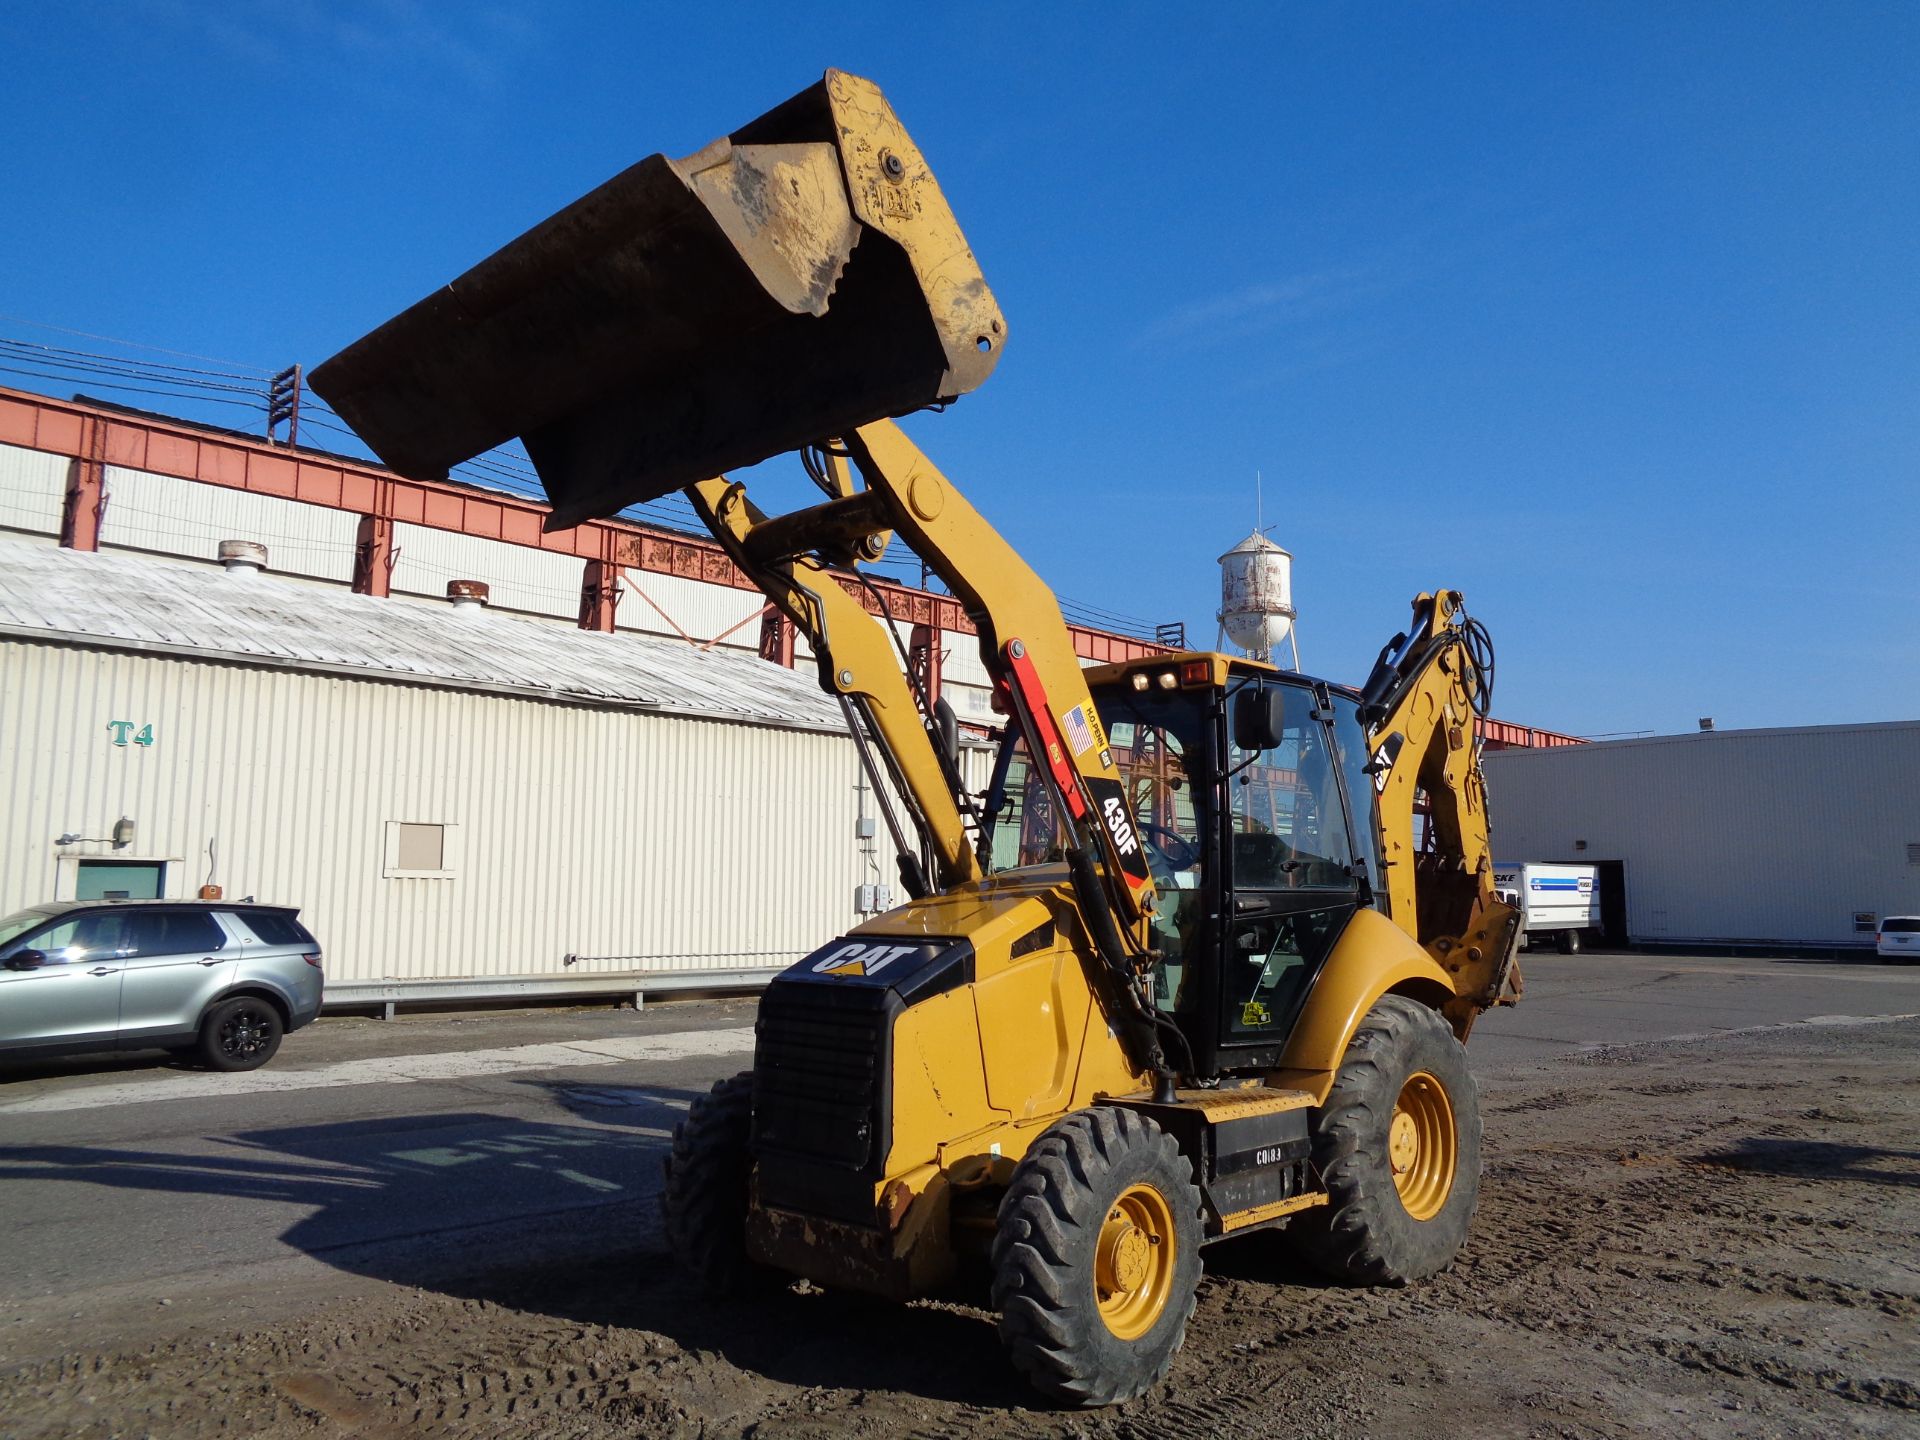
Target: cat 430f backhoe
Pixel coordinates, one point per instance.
(1198, 961)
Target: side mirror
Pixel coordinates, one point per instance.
(1259, 719)
(27, 960)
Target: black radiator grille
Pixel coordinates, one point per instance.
(821, 1060)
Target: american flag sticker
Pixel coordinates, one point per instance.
(1079, 732)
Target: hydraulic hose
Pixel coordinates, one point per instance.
(1097, 910)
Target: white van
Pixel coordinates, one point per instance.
(1557, 902)
(1899, 938)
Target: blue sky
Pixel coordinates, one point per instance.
(1608, 315)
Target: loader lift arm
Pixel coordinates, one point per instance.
(1025, 647)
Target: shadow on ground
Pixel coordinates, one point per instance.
(1820, 1160)
(558, 1219)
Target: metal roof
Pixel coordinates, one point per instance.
(1707, 738)
(119, 601)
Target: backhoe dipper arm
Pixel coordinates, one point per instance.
(1422, 707)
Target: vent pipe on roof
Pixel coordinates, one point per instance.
(243, 557)
(468, 595)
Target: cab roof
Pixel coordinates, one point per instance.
(1221, 667)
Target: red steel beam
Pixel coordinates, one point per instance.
(1502, 733)
(776, 637)
(84, 506)
(373, 557)
(101, 437)
(599, 595)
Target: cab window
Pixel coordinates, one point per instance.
(1025, 829)
(1350, 739)
(1161, 742)
(1291, 873)
(1289, 828)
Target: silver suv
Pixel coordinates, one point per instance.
(221, 982)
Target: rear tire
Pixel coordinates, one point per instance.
(709, 1175)
(1096, 1257)
(1569, 942)
(241, 1034)
(1398, 1147)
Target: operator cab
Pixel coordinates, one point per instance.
(1250, 793)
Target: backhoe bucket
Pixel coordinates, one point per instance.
(791, 281)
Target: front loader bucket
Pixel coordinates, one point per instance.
(798, 278)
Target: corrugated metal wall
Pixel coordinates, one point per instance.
(162, 515)
(694, 606)
(969, 689)
(33, 485)
(167, 516)
(659, 843)
(532, 582)
(1758, 836)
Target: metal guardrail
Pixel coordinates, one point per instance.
(385, 995)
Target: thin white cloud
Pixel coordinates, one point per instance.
(1264, 305)
(469, 44)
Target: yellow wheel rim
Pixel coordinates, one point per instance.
(1133, 1261)
(1422, 1147)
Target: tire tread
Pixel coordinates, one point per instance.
(1364, 1235)
(704, 1203)
(1049, 1219)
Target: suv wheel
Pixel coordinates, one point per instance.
(240, 1034)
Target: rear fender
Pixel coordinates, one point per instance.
(1373, 957)
(259, 990)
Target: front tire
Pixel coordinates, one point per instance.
(1398, 1147)
(1096, 1257)
(709, 1175)
(240, 1034)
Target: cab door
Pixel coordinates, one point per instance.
(73, 998)
(1291, 881)
(176, 962)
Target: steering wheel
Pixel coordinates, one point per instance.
(1173, 849)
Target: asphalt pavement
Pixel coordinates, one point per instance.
(393, 1152)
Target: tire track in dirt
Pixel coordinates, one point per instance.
(1671, 1240)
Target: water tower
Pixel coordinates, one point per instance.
(1256, 598)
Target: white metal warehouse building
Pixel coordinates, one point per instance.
(1800, 837)
(455, 800)
(597, 784)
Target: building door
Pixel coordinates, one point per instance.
(120, 880)
(1612, 876)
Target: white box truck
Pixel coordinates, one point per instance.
(1560, 903)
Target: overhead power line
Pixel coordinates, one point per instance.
(130, 344)
(505, 468)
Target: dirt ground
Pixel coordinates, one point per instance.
(1713, 1238)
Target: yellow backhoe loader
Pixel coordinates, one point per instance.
(1200, 959)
